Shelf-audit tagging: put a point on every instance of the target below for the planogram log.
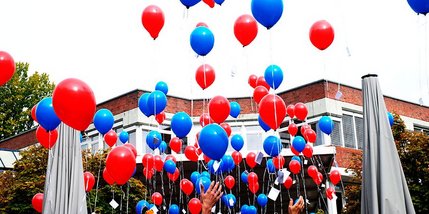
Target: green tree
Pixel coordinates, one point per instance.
(18, 187)
(413, 150)
(18, 96)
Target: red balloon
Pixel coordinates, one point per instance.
(301, 111)
(206, 159)
(319, 178)
(195, 206)
(210, 3)
(310, 135)
(258, 93)
(89, 181)
(229, 181)
(186, 186)
(176, 144)
(321, 34)
(173, 177)
(148, 161)
(279, 162)
(205, 76)
(227, 128)
(171, 157)
(330, 193)
(74, 103)
(272, 110)
(252, 80)
(308, 151)
(157, 198)
(33, 113)
(7, 67)
(45, 138)
(205, 119)
(237, 157)
(191, 153)
(111, 137)
(292, 129)
(245, 29)
(254, 187)
(288, 183)
(290, 109)
(304, 128)
(261, 82)
(159, 164)
(148, 172)
(121, 163)
(252, 178)
(294, 166)
(335, 177)
(107, 177)
(132, 148)
(312, 171)
(160, 117)
(153, 20)
(250, 159)
(293, 150)
(37, 202)
(219, 109)
(202, 24)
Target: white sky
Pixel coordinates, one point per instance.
(103, 43)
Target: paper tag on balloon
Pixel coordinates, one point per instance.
(334, 196)
(231, 202)
(114, 204)
(293, 182)
(307, 201)
(279, 179)
(323, 185)
(286, 174)
(273, 194)
(183, 211)
(213, 209)
(164, 207)
(338, 95)
(154, 209)
(305, 162)
(216, 165)
(259, 157)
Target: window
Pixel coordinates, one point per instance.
(285, 139)
(359, 131)
(94, 147)
(349, 131)
(254, 137)
(421, 129)
(336, 134)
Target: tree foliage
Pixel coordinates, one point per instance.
(413, 150)
(18, 96)
(18, 187)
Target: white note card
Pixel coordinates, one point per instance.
(216, 165)
(154, 209)
(259, 157)
(114, 204)
(273, 194)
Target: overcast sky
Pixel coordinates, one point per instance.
(103, 43)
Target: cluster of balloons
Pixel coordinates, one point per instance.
(155, 102)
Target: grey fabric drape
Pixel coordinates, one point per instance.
(384, 188)
(64, 186)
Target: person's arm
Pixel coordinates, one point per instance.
(210, 197)
(296, 208)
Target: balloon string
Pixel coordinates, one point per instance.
(204, 73)
(128, 195)
(305, 190)
(270, 43)
(426, 53)
(113, 197)
(98, 181)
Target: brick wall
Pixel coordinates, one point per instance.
(20, 141)
(344, 156)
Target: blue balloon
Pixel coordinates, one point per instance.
(391, 119)
(419, 6)
(170, 166)
(326, 125)
(298, 143)
(244, 177)
(230, 200)
(210, 166)
(45, 114)
(162, 147)
(224, 199)
(157, 101)
(202, 40)
(263, 125)
(123, 136)
(262, 200)
(144, 108)
(273, 76)
(202, 181)
(234, 109)
(205, 174)
(173, 209)
(219, 2)
(153, 139)
(140, 205)
(237, 142)
(244, 209)
(103, 120)
(296, 158)
(181, 124)
(162, 86)
(195, 176)
(227, 163)
(81, 137)
(272, 146)
(252, 210)
(267, 12)
(213, 141)
(270, 166)
(189, 3)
